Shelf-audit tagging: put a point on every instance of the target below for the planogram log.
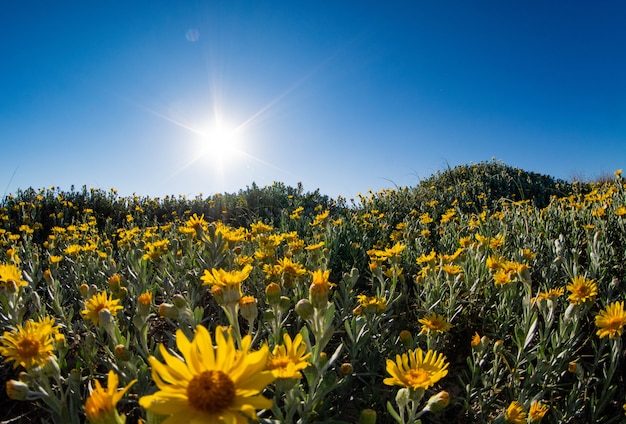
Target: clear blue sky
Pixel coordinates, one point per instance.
(343, 96)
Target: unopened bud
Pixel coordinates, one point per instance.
(498, 346)
(84, 291)
(403, 397)
(367, 416)
(268, 315)
(47, 276)
(179, 301)
(438, 402)
(122, 353)
(218, 294)
(346, 368)
(272, 294)
(284, 304)
(51, 367)
(304, 309)
(167, 310)
(406, 338)
(17, 390)
(122, 293)
(248, 308)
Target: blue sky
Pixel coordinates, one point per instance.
(343, 96)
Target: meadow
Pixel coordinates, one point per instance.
(485, 294)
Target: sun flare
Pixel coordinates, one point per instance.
(220, 144)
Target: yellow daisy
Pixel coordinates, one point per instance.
(222, 278)
(320, 288)
(582, 290)
(515, 413)
(100, 405)
(434, 323)
(287, 360)
(537, 411)
(29, 345)
(211, 384)
(416, 371)
(97, 303)
(9, 273)
(611, 320)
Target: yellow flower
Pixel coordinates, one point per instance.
(416, 371)
(297, 213)
(145, 299)
(55, 259)
(315, 246)
(209, 384)
(582, 290)
(611, 320)
(373, 304)
(11, 274)
(501, 278)
(320, 287)
(197, 224)
(428, 259)
(515, 413)
(100, 405)
(321, 217)
(292, 269)
(537, 411)
(287, 360)
(97, 303)
(434, 323)
(475, 340)
(222, 278)
(29, 345)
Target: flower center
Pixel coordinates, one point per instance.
(27, 348)
(615, 323)
(278, 363)
(417, 377)
(211, 392)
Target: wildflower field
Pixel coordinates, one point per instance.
(484, 294)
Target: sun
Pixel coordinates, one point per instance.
(220, 144)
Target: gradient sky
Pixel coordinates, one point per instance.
(343, 96)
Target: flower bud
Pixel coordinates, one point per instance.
(284, 304)
(268, 315)
(346, 368)
(438, 402)
(106, 320)
(114, 282)
(403, 397)
(367, 416)
(122, 353)
(122, 293)
(248, 308)
(232, 294)
(51, 367)
(272, 294)
(84, 291)
(304, 309)
(218, 294)
(167, 310)
(498, 346)
(406, 338)
(318, 296)
(17, 390)
(11, 287)
(47, 276)
(179, 301)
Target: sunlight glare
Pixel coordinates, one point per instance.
(220, 144)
